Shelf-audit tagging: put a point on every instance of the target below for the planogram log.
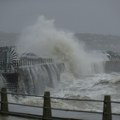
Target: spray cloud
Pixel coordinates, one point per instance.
(45, 40)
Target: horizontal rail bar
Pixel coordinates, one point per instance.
(21, 115)
(34, 116)
(57, 118)
(116, 114)
(77, 99)
(23, 104)
(85, 111)
(74, 110)
(116, 102)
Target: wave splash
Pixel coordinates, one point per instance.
(45, 40)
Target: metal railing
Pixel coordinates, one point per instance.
(47, 109)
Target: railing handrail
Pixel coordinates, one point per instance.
(107, 113)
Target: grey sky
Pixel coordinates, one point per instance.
(91, 16)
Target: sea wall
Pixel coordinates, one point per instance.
(112, 66)
(35, 78)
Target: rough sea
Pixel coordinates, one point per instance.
(84, 76)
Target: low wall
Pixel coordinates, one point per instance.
(112, 66)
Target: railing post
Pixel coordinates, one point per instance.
(47, 114)
(4, 100)
(107, 108)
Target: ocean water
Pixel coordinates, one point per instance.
(84, 76)
(90, 87)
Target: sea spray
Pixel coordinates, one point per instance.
(45, 40)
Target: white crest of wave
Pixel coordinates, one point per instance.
(45, 40)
